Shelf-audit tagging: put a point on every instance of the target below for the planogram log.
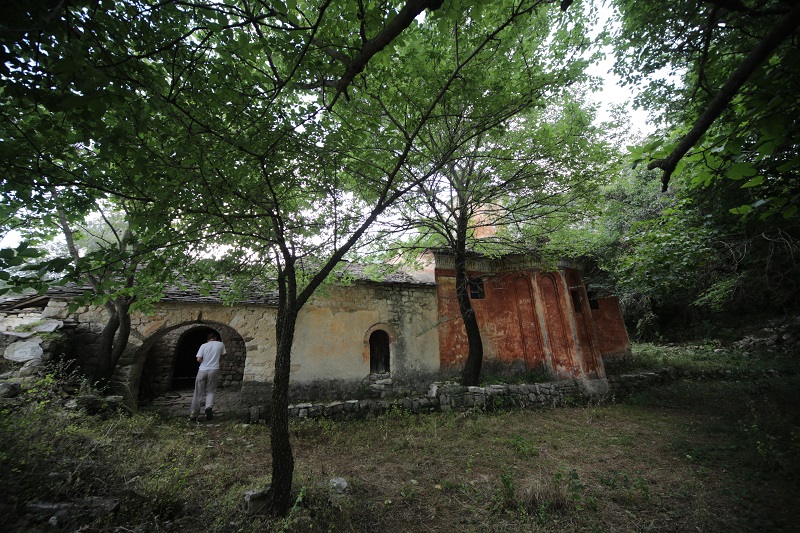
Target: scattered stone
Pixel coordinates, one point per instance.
(255, 500)
(48, 326)
(30, 368)
(9, 390)
(95, 405)
(20, 334)
(24, 351)
(338, 485)
(57, 514)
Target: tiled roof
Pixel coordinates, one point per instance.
(185, 292)
(215, 291)
(385, 275)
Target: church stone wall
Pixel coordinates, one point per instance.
(331, 348)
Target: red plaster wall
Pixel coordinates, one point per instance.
(532, 344)
(587, 345)
(509, 330)
(559, 338)
(517, 307)
(612, 336)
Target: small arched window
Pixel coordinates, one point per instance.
(379, 352)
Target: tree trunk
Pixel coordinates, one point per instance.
(113, 339)
(282, 459)
(472, 367)
(280, 493)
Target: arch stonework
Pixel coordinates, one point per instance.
(365, 351)
(254, 324)
(170, 364)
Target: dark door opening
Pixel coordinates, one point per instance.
(379, 352)
(186, 365)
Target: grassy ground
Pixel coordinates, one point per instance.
(705, 456)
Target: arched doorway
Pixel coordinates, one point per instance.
(185, 369)
(170, 360)
(379, 352)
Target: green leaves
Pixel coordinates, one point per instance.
(738, 171)
(753, 182)
(754, 141)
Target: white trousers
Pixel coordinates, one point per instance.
(204, 385)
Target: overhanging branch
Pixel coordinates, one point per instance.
(780, 32)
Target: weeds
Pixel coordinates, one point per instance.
(624, 487)
(710, 355)
(524, 447)
(545, 469)
(563, 493)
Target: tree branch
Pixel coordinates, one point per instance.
(780, 32)
(403, 20)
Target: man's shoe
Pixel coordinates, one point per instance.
(209, 413)
(192, 418)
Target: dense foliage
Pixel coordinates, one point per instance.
(724, 237)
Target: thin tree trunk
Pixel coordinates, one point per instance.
(472, 367)
(114, 338)
(116, 333)
(106, 369)
(282, 458)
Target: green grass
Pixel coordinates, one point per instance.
(708, 455)
(710, 356)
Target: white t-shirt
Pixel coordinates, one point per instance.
(210, 353)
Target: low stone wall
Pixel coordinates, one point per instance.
(444, 396)
(449, 396)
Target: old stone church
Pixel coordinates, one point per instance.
(387, 337)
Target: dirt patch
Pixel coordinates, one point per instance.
(178, 403)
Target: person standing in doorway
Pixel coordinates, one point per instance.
(205, 384)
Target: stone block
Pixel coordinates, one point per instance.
(9, 390)
(255, 501)
(19, 334)
(24, 351)
(30, 368)
(55, 309)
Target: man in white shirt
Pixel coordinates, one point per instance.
(208, 356)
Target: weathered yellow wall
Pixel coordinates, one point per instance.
(331, 338)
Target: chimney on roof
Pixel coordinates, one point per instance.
(484, 222)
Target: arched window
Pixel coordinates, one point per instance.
(379, 352)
